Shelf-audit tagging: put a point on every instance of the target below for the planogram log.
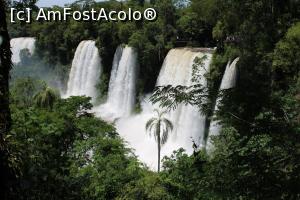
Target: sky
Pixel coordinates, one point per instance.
(48, 3)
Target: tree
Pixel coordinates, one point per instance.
(22, 4)
(286, 62)
(5, 120)
(150, 187)
(69, 151)
(46, 98)
(157, 125)
(23, 91)
(184, 176)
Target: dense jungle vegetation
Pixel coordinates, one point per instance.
(55, 149)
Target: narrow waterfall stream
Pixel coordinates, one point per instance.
(122, 85)
(228, 81)
(85, 72)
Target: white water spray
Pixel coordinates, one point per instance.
(85, 72)
(18, 44)
(189, 124)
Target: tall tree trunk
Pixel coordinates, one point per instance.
(5, 120)
(158, 148)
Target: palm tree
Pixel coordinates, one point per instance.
(46, 98)
(159, 127)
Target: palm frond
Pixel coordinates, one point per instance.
(168, 124)
(165, 136)
(153, 130)
(149, 123)
(156, 126)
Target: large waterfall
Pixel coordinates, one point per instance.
(18, 44)
(122, 85)
(228, 81)
(188, 122)
(85, 72)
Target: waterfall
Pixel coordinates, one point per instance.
(122, 85)
(85, 72)
(18, 44)
(228, 81)
(187, 121)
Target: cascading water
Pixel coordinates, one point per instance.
(187, 121)
(122, 85)
(85, 72)
(18, 44)
(228, 81)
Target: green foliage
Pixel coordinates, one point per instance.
(149, 187)
(185, 176)
(46, 98)
(286, 60)
(196, 22)
(125, 31)
(67, 153)
(254, 167)
(23, 91)
(102, 166)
